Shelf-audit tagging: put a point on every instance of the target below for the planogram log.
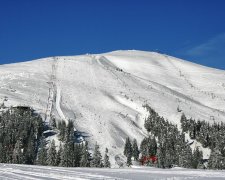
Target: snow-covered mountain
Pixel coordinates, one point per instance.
(104, 93)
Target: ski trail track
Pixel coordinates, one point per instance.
(18, 172)
(54, 97)
(106, 64)
(121, 76)
(58, 107)
(26, 172)
(92, 73)
(130, 95)
(194, 87)
(103, 61)
(58, 89)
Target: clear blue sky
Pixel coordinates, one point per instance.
(190, 29)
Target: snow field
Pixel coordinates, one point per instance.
(104, 93)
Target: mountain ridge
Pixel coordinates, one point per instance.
(104, 93)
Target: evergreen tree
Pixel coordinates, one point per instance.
(21, 129)
(161, 156)
(30, 151)
(2, 154)
(42, 153)
(70, 156)
(183, 121)
(128, 148)
(128, 151)
(148, 147)
(106, 159)
(52, 154)
(216, 160)
(69, 132)
(62, 130)
(85, 158)
(129, 161)
(77, 155)
(187, 157)
(67, 155)
(169, 153)
(17, 153)
(197, 158)
(135, 150)
(59, 153)
(97, 157)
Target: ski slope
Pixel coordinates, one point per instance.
(26, 172)
(104, 93)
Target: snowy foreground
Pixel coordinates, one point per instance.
(11, 171)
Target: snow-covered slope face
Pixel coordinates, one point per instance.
(104, 93)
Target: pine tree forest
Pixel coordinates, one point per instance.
(23, 141)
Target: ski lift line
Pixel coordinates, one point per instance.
(51, 91)
(58, 95)
(182, 76)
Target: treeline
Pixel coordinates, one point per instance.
(210, 136)
(70, 154)
(131, 150)
(168, 144)
(23, 141)
(20, 132)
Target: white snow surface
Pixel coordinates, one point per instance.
(104, 93)
(26, 172)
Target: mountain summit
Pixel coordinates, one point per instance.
(104, 94)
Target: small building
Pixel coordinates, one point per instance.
(146, 159)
